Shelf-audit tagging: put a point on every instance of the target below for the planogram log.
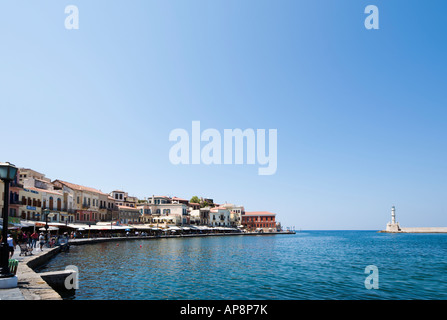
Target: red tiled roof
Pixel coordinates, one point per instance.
(47, 191)
(260, 213)
(126, 207)
(79, 187)
(176, 198)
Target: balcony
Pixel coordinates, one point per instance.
(16, 185)
(85, 206)
(15, 201)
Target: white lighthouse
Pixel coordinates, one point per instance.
(393, 226)
(393, 215)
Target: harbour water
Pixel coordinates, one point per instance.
(308, 265)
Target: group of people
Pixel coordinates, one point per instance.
(27, 238)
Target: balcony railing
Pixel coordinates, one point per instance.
(15, 201)
(16, 184)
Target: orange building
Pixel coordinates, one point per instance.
(259, 219)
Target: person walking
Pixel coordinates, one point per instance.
(30, 240)
(24, 238)
(41, 241)
(34, 238)
(11, 245)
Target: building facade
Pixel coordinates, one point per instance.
(85, 201)
(161, 210)
(31, 207)
(129, 215)
(219, 217)
(261, 220)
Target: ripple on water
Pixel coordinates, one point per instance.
(310, 265)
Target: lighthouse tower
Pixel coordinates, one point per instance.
(393, 226)
(393, 215)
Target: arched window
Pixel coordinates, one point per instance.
(51, 204)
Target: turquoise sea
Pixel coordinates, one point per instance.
(310, 265)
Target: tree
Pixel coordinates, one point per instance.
(194, 199)
(204, 204)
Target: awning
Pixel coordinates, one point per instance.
(49, 228)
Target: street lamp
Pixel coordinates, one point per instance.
(47, 214)
(8, 173)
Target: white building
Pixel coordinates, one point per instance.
(161, 210)
(219, 217)
(236, 213)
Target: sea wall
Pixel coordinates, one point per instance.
(424, 230)
(419, 230)
(30, 283)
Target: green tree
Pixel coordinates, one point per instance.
(204, 204)
(194, 199)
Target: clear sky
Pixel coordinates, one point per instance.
(361, 114)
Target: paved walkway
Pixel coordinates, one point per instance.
(16, 293)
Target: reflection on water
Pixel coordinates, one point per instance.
(308, 265)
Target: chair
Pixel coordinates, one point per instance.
(24, 249)
(13, 264)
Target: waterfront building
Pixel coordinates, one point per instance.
(163, 210)
(261, 220)
(52, 203)
(31, 204)
(26, 173)
(128, 214)
(200, 217)
(112, 209)
(179, 200)
(194, 217)
(85, 200)
(219, 217)
(193, 206)
(236, 213)
(123, 199)
(106, 207)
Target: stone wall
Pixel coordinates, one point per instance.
(30, 283)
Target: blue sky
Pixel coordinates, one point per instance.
(361, 114)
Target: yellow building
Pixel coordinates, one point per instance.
(31, 204)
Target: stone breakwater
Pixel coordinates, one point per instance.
(418, 230)
(33, 287)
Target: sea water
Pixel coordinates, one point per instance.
(311, 265)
